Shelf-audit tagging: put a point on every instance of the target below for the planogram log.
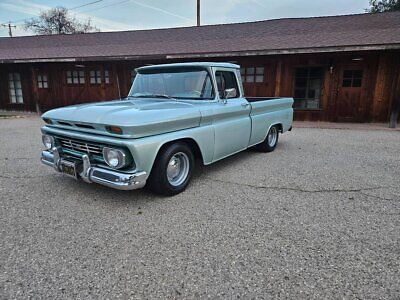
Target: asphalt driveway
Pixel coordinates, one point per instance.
(317, 218)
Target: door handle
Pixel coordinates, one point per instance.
(245, 104)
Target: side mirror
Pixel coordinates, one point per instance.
(230, 93)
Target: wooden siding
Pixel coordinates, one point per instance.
(371, 101)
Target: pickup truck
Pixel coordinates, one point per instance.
(173, 116)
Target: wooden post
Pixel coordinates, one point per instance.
(395, 110)
(119, 90)
(198, 12)
(394, 115)
(278, 79)
(35, 90)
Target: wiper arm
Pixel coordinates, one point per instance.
(152, 96)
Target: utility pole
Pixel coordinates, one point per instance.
(9, 28)
(198, 12)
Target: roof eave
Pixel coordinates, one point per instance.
(394, 46)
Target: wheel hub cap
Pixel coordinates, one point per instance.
(178, 169)
(272, 135)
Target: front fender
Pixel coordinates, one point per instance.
(145, 150)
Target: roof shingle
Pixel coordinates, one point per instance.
(271, 35)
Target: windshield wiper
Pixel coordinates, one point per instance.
(151, 96)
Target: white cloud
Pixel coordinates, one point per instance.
(34, 9)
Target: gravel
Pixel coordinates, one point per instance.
(317, 218)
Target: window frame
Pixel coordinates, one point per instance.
(238, 90)
(309, 67)
(14, 88)
(41, 82)
(352, 78)
(107, 78)
(97, 77)
(244, 75)
(210, 75)
(81, 79)
(133, 74)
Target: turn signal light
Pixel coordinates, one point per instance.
(114, 129)
(47, 121)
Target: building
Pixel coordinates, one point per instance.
(340, 68)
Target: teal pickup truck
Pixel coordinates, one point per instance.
(174, 115)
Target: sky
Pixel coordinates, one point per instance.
(115, 15)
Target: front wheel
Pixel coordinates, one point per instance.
(172, 170)
(270, 142)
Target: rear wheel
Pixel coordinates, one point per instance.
(270, 142)
(172, 170)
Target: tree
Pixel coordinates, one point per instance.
(377, 6)
(58, 21)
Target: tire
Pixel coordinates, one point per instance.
(172, 170)
(270, 142)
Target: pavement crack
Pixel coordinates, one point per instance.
(297, 189)
(378, 197)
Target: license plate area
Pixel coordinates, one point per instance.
(69, 168)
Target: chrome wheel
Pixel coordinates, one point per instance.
(272, 136)
(178, 169)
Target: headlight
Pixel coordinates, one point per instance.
(115, 158)
(48, 141)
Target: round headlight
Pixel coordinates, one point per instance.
(115, 158)
(48, 141)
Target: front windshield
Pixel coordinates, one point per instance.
(192, 84)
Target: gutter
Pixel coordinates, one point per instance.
(289, 51)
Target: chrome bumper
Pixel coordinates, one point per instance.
(90, 173)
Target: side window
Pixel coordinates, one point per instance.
(95, 77)
(226, 80)
(352, 78)
(42, 81)
(75, 77)
(15, 88)
(106, 76)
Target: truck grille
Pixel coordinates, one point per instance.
(80, 146)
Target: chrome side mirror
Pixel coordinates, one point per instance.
(230, 93)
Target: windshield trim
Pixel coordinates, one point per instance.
(179, 70)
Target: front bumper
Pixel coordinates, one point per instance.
(91, 173)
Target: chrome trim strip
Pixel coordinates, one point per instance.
(123, 181)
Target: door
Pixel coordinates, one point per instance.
(232, 124)
(349, 99)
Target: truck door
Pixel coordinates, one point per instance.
(232, 122)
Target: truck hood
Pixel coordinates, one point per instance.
(137, 117)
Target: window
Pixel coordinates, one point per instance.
(42, 82)
(352, 78)
(183, 83)
(252, 74)
(133, 75)
(75, 77)
(15, 88)
(95, 77)
(308, 87)
(106, 77)
(226, 80)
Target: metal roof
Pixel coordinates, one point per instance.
(191, 64)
